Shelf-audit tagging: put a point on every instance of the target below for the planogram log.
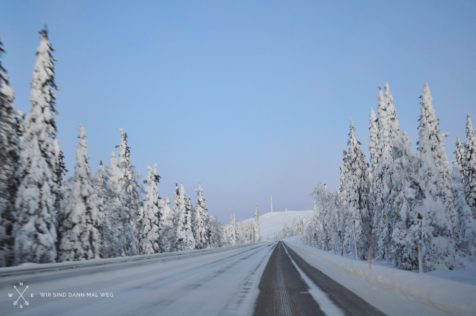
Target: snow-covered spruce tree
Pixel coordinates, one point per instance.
(80, 238)
(374, 156)
(201, 221)
(320, 230)
(190, 215)
(246, 232)
(130, 196)
(167, 233)
(117, 222)
(383, 215)
(185, 238)
(466, 229)
(373, 143)
(469, 165)
(406, 203)
(338, 217)
(61, 191)
(466, 224)
(355, 199)
(439, 218)
(11, 121)
(257, 234)
(216, 233)
(34, 229)
(459, 156)
(233, 231)
(149, 233)
(100, 184)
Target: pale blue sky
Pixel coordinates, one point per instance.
(249, 98)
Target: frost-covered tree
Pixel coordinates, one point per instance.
(149, 233)
(81, 239)
(338, 216)
(233, 231)
(34, 229)
(458, 163)
(465, 230)
(245, 232)
(466, 225)
(185, 238)
(61, 191)
(201, 222)
(373, 143)
(167, 233)
(216, 233)
(381, 213)
(439, 218)
(469, 165)
(130, 196)
(320, 231)
(406, 204)
(388, 125)
(117, 222)
(190, 214)
(11, 121)
(355, 198)
(100, 184)
(257, 234)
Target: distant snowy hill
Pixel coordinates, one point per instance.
(272, 223)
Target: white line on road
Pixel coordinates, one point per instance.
(321, 298)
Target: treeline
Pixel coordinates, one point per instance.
(408, 208)
(242, 232)
(44, 218)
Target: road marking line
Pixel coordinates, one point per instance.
(321, 298)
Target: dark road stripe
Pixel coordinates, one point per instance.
(282, 290)
(346, 300)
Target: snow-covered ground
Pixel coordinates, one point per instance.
(272, 223)
(214, 282)
(393, 291)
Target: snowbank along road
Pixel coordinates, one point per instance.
(259, 279)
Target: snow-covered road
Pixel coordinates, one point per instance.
(273, 278)
(221, 282)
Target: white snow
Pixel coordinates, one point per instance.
(272, 223)
(393, 291)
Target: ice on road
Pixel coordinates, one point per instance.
(223, 282)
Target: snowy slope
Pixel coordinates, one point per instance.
(272, 223)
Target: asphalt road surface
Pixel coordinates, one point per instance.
(287, 284)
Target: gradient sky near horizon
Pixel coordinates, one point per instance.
(248, 98)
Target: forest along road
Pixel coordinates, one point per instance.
(218, 282)
(290, 286)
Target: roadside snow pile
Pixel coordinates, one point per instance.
(28, 267)
(272, 223)
(394, 292)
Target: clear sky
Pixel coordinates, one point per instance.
(248, 98)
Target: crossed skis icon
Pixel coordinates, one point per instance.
(17, 302)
